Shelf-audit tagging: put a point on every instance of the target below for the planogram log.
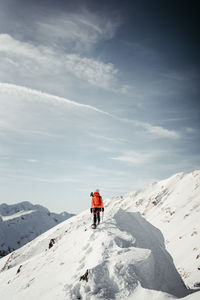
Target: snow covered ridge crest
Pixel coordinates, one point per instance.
(22, 222)
(133, 255)
(173, 206)
(124, 258)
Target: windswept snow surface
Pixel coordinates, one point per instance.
(125, 257)
(21, 223)
(173, 206)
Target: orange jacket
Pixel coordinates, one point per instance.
(96, 200)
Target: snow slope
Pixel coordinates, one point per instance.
(173, 206)
(22, 222)
(124, 258)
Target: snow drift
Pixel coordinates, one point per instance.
(131, 253)
(173, 206)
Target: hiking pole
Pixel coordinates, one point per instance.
(92, 216)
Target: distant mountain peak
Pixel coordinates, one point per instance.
(24, 221)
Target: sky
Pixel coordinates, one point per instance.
(96, 94)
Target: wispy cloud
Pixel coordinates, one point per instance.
(52, 180)
(160, 131)
(142, 157)
(79, 30)
(10, 45)
(33, 95)
(95, 72)
(190, 130)
(56, 180)
(133, 157)
(107, 138)
(30, 59)
(155, 130)
(183, 76)
(12, 89)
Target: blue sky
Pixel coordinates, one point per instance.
(96, 95)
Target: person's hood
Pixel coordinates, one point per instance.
(96, 194)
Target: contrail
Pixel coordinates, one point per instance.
(9, 88)
(159, 131)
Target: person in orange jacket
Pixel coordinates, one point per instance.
(96, 206)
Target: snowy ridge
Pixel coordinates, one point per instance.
(9, 210)
(20, 223)
(124, 258)
(173, 206)
(17, 215)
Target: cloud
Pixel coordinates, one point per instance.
(31, 160)
(41, 179)
(31, 113)
(12, 89)
(106, 138)
(138, 158)
(12, 46)
(77, 31)
(154, 130)
(28, 59)
(134, 157)
(95, 72)
(55, 180)
(161, 132)
(190, 130)
(184, 76)
(36, 96)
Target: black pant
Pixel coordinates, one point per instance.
(96, 213)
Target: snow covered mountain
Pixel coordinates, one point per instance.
(124, 258)
(20, 223)
(173, 206)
